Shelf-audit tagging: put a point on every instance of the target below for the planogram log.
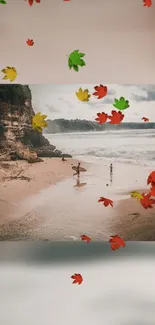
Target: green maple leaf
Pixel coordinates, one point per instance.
(121, 103)
(3, 2)
(75, 60)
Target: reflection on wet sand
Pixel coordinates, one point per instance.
(78, 184)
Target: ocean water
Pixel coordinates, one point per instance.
(129, 146)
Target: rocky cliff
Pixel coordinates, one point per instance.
(18, 140)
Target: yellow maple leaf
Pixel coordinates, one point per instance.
(38, 122)
(136, 194)
(83, 95)
(10, 73)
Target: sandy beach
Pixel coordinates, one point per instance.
(20, 180)
(42, 201)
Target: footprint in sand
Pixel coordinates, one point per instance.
(135, 215)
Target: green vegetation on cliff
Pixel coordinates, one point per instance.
(15, 94)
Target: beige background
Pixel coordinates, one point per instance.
(118, 37)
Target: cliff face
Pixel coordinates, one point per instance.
(18, 140)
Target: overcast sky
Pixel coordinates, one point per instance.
(60, 101)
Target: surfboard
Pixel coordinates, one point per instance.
(81, 169)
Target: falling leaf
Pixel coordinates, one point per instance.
(30, 2)
(137, 195)
(147, 3)
(83, 95)
(116, 117)
(30, 42)
(151, 178)
(75, 60)
(121, 103)
(3, 2)
(38, 122)
(145, 119)
(85, 238)
(10, 73)
(101, 91)
(77, 278)
(116, 242)
(152, 191)
(105, 201)
(146, 201)
(102, 118)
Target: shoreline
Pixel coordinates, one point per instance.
(47, 204)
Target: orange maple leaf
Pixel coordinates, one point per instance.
(102, 117)
(116, 242)
(116, 117)
(146, 201)
(101, 91)
(85, 238)
(77, 278)
(151, 178)
(145, 119)
(30, 42)
(105, 201)
(147, 3)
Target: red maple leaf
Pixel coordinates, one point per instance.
(152, 191)
(151, 178)
(85, 238)
(146, 201)
(30, 42)
(102, 117)
(77, 278)
(105, 201)
(30, 2)
(116, 242)
(116, 117)
(147, 3)
(145, 119)
(101, 91)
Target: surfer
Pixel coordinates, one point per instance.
(77, 170)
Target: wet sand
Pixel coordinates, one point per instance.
(65, 211)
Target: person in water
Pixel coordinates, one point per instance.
(111, 172)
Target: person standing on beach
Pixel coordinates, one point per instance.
(111, 172)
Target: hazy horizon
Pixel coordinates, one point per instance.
(60, 101)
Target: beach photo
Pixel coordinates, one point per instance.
(77, 160)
